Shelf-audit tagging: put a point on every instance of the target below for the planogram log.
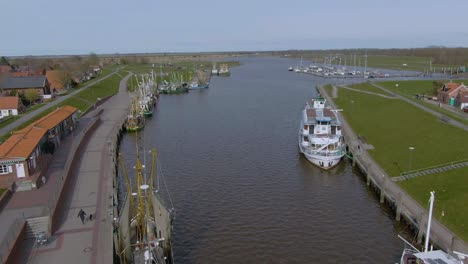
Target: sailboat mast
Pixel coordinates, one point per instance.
(431, 205)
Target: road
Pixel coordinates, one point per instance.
(32, 114)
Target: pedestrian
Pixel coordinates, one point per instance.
(90, 217)
(43, 179)
(81, 215)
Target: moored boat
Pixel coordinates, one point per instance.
(320, 135)
(195, 85)
(412, 255)
(224, 70)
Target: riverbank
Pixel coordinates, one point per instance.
(377, 123)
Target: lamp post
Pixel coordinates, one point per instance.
(411, 149)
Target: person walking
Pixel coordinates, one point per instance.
(81, 215)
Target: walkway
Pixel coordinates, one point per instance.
(433, 112)
(362, 91)
(430, 171)
(32, 114)
(91, 242)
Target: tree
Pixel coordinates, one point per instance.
(93, 59)
(4, 61)
(31, 96)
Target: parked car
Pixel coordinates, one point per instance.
(465, 109)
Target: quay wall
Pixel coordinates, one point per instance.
(405, 206)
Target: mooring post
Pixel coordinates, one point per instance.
(398, 208)
(382, 195)
(420, 228)
(367, 179)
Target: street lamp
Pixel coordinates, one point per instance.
(411, 149)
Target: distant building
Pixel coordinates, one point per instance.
(23, 84)
(449, 92)
(462, 100)
(10, 105)
(4, 69)
(24, 155)
(58, 80)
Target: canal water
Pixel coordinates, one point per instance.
(241, 190)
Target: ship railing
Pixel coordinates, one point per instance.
(325, 154)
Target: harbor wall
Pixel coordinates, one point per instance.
(405, 207)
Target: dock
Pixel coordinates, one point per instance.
(389, 192)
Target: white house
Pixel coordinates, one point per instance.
(10, 105)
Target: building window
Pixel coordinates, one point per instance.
(4, 169)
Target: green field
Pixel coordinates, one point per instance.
(392, 126)
(410, 89)
(368, 88)
(397, 62)
(451, 192)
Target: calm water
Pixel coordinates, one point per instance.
(242, 192)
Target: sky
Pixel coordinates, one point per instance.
(57, 27)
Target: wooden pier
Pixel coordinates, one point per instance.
(391, 193)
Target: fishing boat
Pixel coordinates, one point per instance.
(135, 120)
(411, 255)
(195, 85)
(214, 71)
(143, 231)
(224, 70)
(175, 86)
(320, 135)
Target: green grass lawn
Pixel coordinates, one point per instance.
(397, 62)
(392, 126)
(451, 192)
(2, 191)
(409, 89)
(368, 88)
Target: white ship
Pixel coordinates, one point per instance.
(320, 135)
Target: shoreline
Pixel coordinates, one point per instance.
(403, 204)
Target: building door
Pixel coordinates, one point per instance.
(20, 170)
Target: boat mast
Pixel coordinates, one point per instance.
(431, 205)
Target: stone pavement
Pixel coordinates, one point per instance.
(90, 189)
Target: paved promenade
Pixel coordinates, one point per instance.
(90, 189)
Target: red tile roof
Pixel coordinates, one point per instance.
(23, 142)
(56, 79)
(9, 102)
(452, 87)
(5, 68)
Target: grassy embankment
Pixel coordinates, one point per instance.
(184, 69)
(368, 88)
(82, 100)
(2, 191)
(392, 126)
(409, 89)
